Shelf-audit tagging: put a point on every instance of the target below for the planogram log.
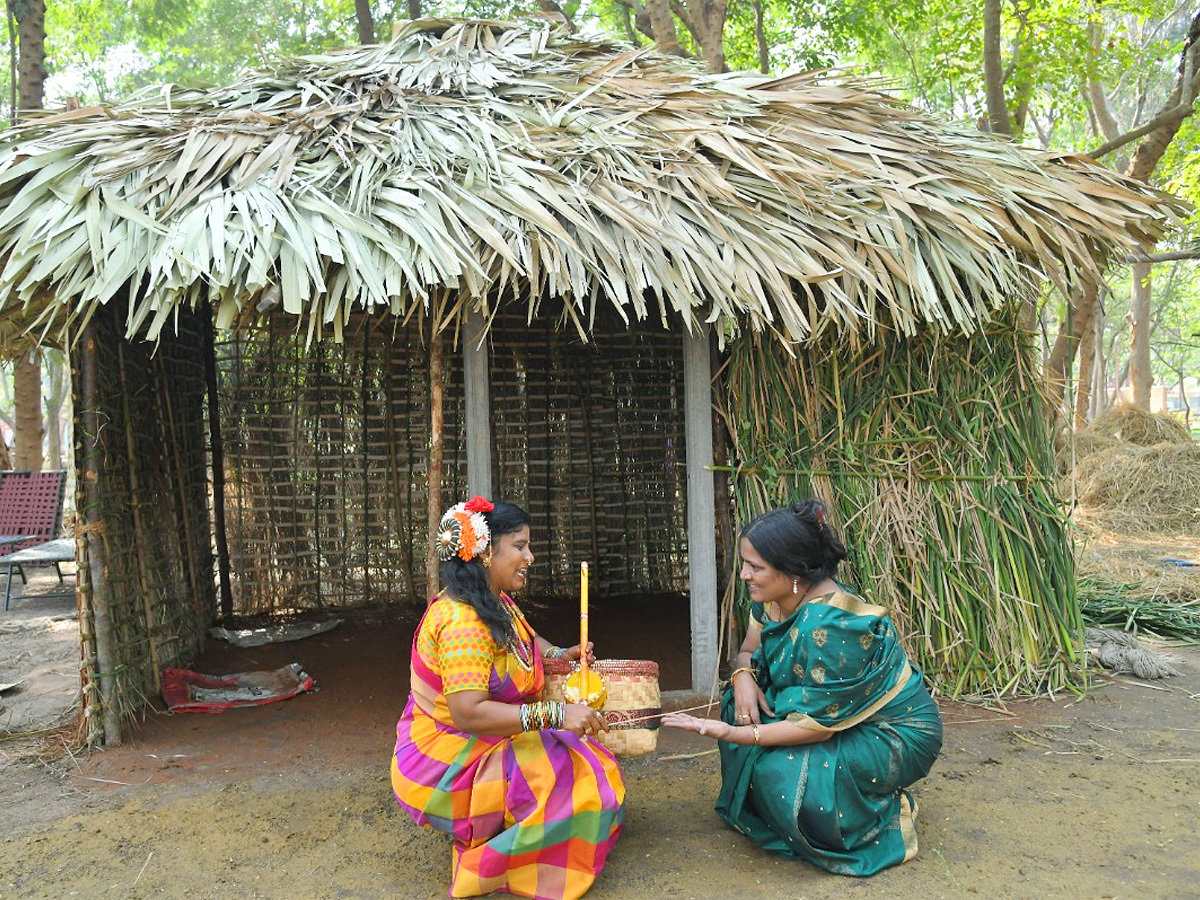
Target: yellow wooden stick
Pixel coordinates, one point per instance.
(583, 624)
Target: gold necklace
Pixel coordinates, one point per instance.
(524, 652)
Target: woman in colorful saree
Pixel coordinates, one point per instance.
(825, 722)
(534, 807)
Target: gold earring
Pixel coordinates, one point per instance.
(795, 585)
(487, 561)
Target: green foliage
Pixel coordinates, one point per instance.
(223, 36)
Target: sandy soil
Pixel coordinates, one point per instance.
(1070, 798)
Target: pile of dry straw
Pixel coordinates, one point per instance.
(1134, 472)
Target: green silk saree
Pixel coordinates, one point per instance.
(834, 665)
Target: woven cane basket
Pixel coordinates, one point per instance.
(633, 693)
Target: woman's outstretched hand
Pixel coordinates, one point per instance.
(583, 720)
(713, 728)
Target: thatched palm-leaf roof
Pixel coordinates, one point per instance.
(465, 160)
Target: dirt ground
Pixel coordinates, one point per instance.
(1067, 798)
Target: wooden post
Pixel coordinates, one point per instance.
(218, 463)
(92, 514)
(478, 411)
(701, 522)
(436, 453)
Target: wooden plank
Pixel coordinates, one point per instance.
(701, 520)
(478, 409)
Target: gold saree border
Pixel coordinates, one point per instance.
(850, 603)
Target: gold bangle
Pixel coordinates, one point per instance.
(754, 726)
(736, 672)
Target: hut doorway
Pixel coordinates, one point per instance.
(326, 470)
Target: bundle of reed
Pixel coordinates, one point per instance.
(934, 457)
(1128, 606)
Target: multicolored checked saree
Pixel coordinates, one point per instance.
(835, 663)
(535, 814)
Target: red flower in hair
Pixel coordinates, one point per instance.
(479, 504)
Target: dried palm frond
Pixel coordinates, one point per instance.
(477, 158)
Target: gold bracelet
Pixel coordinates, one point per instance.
(754, 726)
(736, 672)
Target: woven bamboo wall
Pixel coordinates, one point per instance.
(327, 448)
(589, 438)
(143, 512)
(326, 464)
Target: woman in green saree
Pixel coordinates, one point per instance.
(825, 722)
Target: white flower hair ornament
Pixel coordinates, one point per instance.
(463, 531)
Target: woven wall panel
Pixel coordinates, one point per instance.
(152, 495)
(327, 451)
(589, 438)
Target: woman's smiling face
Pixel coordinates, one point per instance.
(766, 583)
(511, 559)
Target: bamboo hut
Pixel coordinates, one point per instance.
(502, 258)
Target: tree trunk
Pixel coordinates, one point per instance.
(54, 407)
(1187, 407)
(760, 39)
(27, 404)
(709, 18)
(1139, 336)
(414, 9)
(1099, 369)
(1102, 112)
(993, 70)
(1154, 145)
(1122, 377)
(31, 37)
(365, 21)
(1141, 166)
(553, 12)
(1062, 356)
(27, 371)
(1087, 365)
(662, 23)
